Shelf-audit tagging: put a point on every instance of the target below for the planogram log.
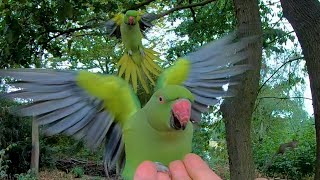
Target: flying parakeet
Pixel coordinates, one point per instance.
(103, 108)
(138, 62)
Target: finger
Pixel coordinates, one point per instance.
(145, 171)
(162, 176)
(198, 169)
(178, 171)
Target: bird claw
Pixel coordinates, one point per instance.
(162, 168)
(142, 52)
(130, 52)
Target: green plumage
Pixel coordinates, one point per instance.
(138, 63)
(132, 37)
(148, 134)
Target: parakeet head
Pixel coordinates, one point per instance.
(169, 108)
(131, 17)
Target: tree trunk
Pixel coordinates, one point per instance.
(35, 151)
(304, 16)
(35, 148)
(237, 111)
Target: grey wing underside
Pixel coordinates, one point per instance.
(112, 29)
(214, 66)
(146, 20)
(62, 107)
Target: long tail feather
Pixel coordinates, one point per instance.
(150, 68)
(143, 82)
(124, 64)
(152, 63)
(140, 70)
(128, 70)
(146, 72)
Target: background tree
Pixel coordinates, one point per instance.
(304, 18)
(237, 111)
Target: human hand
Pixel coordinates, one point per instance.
(191, 167)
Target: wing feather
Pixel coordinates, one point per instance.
(114, 146)
(45, 106)
(146, 19)
(96, 134)
(85, 105)
(60, 113)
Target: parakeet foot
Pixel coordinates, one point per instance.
(162, 168)
(142, 52)
(130, 52)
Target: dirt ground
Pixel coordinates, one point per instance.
(57, 175)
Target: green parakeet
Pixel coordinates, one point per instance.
(103, 108)
(138, 62)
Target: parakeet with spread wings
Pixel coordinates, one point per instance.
(137, 63)
(104, 108)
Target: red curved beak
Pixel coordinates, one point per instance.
(131, 20)
(182, 111)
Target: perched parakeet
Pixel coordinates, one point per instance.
(103, 108)
(138, 62)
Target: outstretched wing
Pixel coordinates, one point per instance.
(205, 71)
(146, 20)
(84, 105)
(112, 26)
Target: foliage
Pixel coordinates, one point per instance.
(295, 163)
(278, 121)
(29, 28)
(210, 144)
(218, 153)
(29, 175)
(65, 147)
(78, 172)
(4, 162)
(16, 134)
(202, 135)
(212, 21)
(15, 130)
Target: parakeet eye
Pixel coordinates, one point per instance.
(161, 99)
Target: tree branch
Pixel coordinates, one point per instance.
(101, 67)
(193, 12)
(289, 61)
(137, 6)
(68, 31)
(177, 8)
(273, 3)
(282, 98)
(279, 20)
(180, 7)
(278, 37)
(294, 97)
